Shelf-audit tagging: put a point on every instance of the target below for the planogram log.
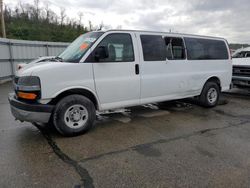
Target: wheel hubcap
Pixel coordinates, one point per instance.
(76, 116)
(212, 95)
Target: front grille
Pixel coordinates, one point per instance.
(243, 71)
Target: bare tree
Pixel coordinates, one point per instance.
(7, 13)
(62, 15)
(36, 9)
(80, 14)
(101, 25)
(47, 11)
(68, 21)
(90, 26)
(20, 4)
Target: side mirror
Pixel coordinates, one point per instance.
(101, 53)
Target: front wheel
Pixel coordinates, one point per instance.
(210, 95)
(74, 115)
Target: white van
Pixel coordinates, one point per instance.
(117, 69)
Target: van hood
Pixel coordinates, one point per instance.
(28, 69)
(241, 61)
(35, 69)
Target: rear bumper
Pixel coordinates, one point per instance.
(34, 113)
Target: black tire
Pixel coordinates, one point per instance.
(205, 97)
(61, 120)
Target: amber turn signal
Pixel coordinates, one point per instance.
(30, 96)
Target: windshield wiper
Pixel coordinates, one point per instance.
(57, 58)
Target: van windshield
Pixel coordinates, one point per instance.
(76, 50)
(242, 54)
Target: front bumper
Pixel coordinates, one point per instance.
(34, 113)
(241, 81)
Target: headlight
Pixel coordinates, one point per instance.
(27, 87)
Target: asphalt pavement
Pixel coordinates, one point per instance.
(179, 144)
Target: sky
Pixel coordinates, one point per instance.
(223, 18)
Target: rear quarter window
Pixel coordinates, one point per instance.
(206, 49)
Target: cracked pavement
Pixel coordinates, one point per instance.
(179, 145)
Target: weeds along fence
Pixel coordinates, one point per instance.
(13, 52)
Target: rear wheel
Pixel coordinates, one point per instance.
(210, 95)
(74, 115)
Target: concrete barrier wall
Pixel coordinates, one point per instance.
(13, 52)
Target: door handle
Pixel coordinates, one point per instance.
(137, 70)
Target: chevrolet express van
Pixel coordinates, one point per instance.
(116, 69)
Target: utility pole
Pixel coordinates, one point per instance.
(2, 19)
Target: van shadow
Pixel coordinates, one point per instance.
(125, 116)
(239, 93)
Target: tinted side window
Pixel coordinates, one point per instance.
(247, 54)
(175, 48)
(154, 48)
(206, 49)
(120, 47)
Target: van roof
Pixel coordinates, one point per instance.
(170, 33)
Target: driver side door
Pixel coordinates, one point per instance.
(116, 76)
